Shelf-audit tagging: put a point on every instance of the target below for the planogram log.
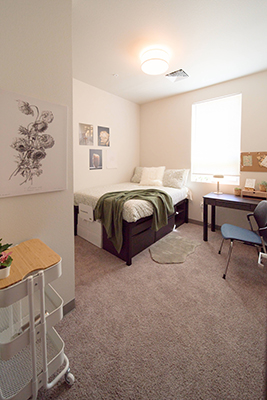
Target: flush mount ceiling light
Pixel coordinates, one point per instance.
(154, 61)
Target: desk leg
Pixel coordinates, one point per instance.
(213, 218)
(205, 221)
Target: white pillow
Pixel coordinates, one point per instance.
(152, 176)
(175, 178)
(136, 178)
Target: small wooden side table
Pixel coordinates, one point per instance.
(29, 256)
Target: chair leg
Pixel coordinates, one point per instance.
(264, 250)
(261, 255)
(228, 258)
(219, 252)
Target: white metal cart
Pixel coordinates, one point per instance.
(31, 351)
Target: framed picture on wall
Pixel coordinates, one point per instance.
(86, 134)
(112, 162)
(33, 151)
(103, 135)
(95, 159)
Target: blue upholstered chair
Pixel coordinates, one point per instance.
(250, 237)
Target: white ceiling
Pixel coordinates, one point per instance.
(211, 40)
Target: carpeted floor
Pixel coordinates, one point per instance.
(154, 331)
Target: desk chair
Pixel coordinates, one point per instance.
(257, 238)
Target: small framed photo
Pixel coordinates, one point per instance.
(95, 159)
(247, 160)
(103, 136)
(111, 159)
(86, 134)
(250, 183)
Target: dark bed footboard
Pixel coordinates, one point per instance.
(139, 235)
(181, 212)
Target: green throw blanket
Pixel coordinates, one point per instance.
(110, 206)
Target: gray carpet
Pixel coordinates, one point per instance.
(157, 332)
(172, 249)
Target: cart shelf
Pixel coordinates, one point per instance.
(16, 373)
(15, 335)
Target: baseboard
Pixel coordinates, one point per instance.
(194, 221)
(69, 307)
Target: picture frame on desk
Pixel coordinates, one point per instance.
(250, 184)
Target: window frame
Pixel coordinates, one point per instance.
(231, 179)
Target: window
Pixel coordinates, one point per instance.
(216, 137)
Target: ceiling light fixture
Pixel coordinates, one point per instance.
(154, 61)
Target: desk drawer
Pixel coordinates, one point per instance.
(235, 205)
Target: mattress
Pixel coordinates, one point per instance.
(133, 210)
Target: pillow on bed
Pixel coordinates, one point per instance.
(175, 178)
(152, 176)
(136, 178)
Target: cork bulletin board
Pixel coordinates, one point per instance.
(254, 161)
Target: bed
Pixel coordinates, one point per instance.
(137, 215)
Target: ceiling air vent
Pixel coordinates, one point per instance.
(177, 75)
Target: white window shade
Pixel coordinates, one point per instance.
(216, 134)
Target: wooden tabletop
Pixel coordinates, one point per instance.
(29, 256)
(231, 198)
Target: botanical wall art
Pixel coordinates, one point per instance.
(95, 159)
(86, 134)
(33, 145)
(103, 136)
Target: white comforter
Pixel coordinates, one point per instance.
(133, 209)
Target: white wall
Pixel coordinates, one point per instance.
(36, 60)
(99, 108)
(166, 134)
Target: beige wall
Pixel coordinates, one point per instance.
(166, 133)
(97, 107)
(36, 61)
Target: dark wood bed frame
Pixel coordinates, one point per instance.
(139, 235)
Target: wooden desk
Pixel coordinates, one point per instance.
(224, 200)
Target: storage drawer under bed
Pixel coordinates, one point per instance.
(91, 231)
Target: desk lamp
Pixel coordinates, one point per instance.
(218, 177)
